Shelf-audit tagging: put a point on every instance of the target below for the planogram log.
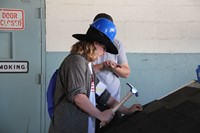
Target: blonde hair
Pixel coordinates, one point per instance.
(87, 49)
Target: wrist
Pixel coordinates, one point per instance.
(99, 115)
(98, 67)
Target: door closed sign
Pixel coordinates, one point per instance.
(11, 19)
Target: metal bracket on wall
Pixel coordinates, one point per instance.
(38, 79)
(39, 13)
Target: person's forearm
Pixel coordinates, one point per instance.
(113, 102)
(98, 67)
(121, 71)
(84, 103)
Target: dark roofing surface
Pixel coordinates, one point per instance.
(178, 112)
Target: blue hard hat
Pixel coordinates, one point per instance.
(102, 31)
(105, 26)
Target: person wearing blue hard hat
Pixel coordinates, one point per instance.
(102, 31)
(110, 68)
(75, 94)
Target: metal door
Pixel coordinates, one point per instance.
(21, 46)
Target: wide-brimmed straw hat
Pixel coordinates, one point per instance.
(102, 31)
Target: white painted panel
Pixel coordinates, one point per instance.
(147, 26)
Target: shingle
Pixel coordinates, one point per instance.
(178, 112)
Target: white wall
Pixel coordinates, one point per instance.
(144, 26)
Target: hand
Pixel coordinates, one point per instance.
(107, 116)
(110, 64)
(135, 107)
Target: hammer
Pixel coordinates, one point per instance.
(133, 91)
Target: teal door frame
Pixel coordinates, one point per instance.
(16, 88)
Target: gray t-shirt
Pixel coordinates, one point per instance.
(110, 79)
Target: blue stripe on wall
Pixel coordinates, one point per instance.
(154, 75)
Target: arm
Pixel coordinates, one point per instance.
(135, 107)
(119, 66)
(84, 103)
(121, 70)
(98, 67)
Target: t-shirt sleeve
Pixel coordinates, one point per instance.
(121, 57)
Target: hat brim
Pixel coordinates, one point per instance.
(110, 46)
